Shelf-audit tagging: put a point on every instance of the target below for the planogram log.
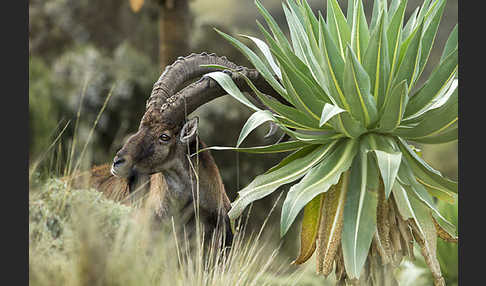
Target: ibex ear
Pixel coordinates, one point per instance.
(189, 130)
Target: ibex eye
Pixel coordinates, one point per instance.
(164, 137)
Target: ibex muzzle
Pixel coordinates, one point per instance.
(154, 148)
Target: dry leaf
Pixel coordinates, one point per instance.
(444, 235)
(310, 227)
(331, 225)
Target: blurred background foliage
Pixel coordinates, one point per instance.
(79, 50)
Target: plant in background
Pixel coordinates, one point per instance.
(353, 105)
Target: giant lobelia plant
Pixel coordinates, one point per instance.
(353, 106)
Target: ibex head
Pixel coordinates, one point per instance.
(154, 147)
(162, 133)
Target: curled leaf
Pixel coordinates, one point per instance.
(443, 234)
(310, 227)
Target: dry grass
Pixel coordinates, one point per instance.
(77, 237)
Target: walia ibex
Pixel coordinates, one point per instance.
(164, 141)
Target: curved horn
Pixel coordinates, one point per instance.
(182, 70)
(206, 89)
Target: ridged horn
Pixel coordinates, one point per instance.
(206, 89)
(183, 70)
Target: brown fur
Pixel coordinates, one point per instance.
(163, 141)
(213, 202)
(101, 179)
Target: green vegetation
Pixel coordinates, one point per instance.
(78, 237)
(79, 51)
(354, 104)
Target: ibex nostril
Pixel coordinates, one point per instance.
(118, 161)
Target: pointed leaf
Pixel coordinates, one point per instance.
(297, 46)
(409, 58)
(379, 7)
(376, 62)
(429, 177)
(411, 24)
(347, 125)
(448, 135)
(393, 9)
(291, 59)
(373, 180)
(311, 55)
(255, 120)
(274, 148)
(388, 157)
(450, 45)
(291, 114)
(314, 137)
(226, 82)
(338, 26)
(436, 85)
(292, 157)
(350, 13)
(303, 101)
(283, 51)
(359, 222)
(394, 108)
(439, 101)
(298, 11)
(311, 17)
(429, 35)
(416, 189)
(277, 32)
(434, 121)
(394, 32)
(357, 88)
(427, 10)
(318, 180)
(302, 89)
(389, 164)
(423, 10)
(257, 63)
(265, 184)
(360, 34)
(328, 112)
(333, 65)
(403, 202)
(268, 55)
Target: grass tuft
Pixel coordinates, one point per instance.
(95, 241)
